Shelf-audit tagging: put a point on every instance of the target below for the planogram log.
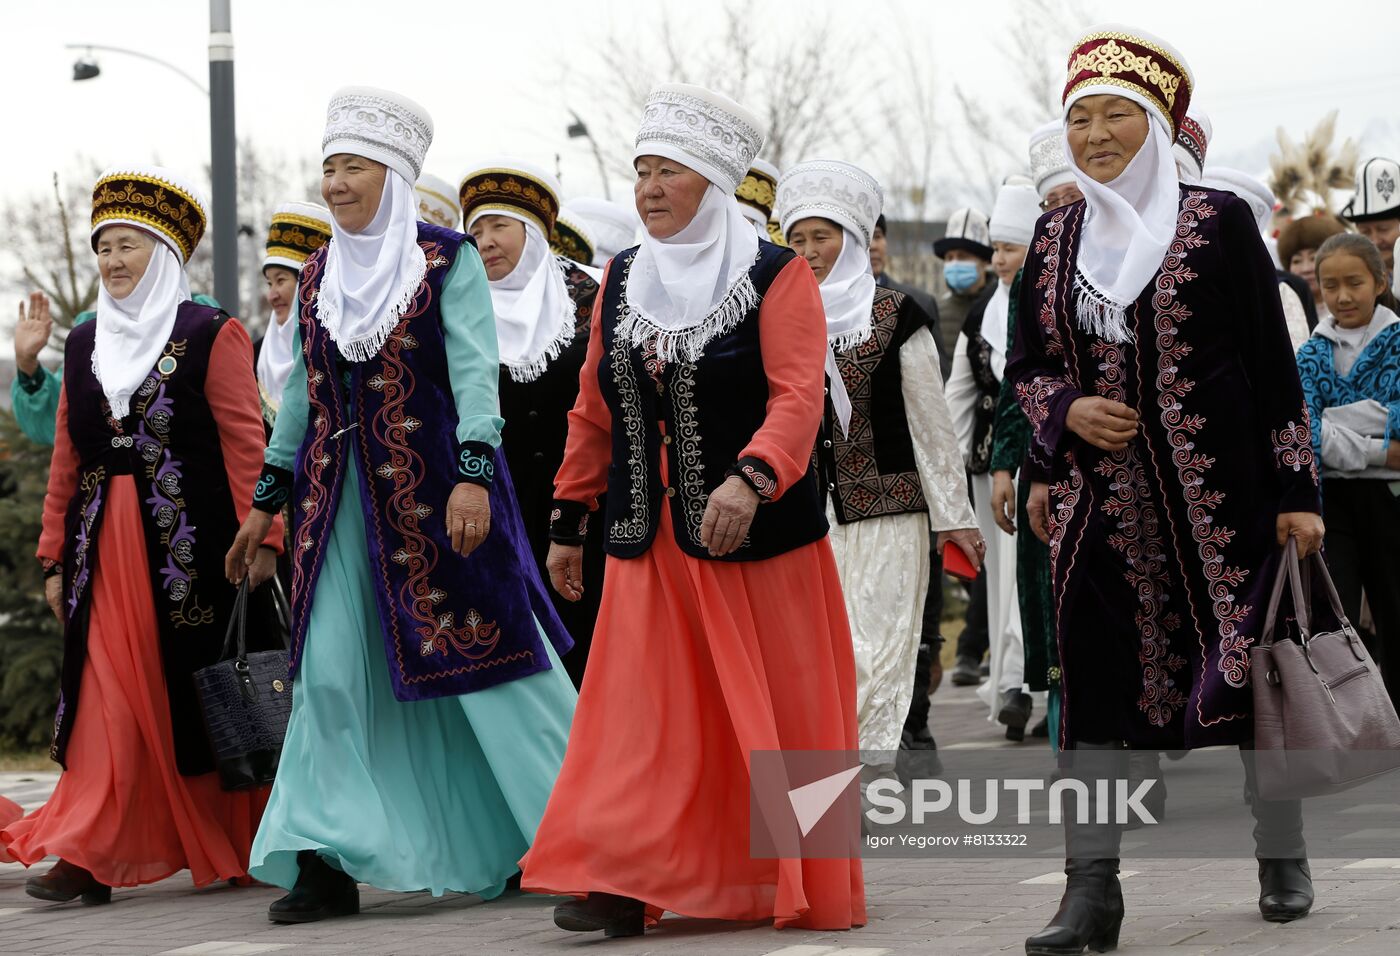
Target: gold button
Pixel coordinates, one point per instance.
(665, 439)
(670, 492)
(277, 686)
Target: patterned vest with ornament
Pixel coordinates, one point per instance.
(871, 471)
(451, 625)
(169, 444)
(701, 415)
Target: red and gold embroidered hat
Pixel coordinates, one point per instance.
(1121, 60)
(152, 198)
(297, 230)
(572, 240)
(510, 188)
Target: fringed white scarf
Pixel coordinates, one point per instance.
(131, 332)
(534, 313)
(689, 289)
(372, 277)
(848, 298)
(1129, 224)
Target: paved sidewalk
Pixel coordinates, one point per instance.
(915, 906)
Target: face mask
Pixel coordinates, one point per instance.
(961, 276)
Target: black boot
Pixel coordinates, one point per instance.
(321, 892)
(1285, 890)
(1090, 913)
(1285, 881)
(67, 881)
(1091, 910)
(614, 915)
(1015, 712)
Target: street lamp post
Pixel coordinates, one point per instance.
(223, 140)
(223, 156)
(578, 128)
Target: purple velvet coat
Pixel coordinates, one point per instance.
(1162, 554)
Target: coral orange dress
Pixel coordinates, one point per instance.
(122, 810)
(695, 664)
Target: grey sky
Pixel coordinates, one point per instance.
(492, 74)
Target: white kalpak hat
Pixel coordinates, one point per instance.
(705, 130)
(1049, 164)
(1192, 141)
(845, 194)
(1014, 215)
(436, 201)
(613, 225)
(297, 230)
(1377, 191)
(1251, 190)
(380, 125)
(967, 230)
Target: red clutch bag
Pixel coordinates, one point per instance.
(956, 563)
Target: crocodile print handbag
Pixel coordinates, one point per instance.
(246, 700)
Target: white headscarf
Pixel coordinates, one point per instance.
(372, 277)
(131, 332)
(275, 354)
(1129, 224)
(848, 296)
(534, 313)
(694, 286)
(995, 320)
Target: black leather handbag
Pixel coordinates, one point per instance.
(246, 700)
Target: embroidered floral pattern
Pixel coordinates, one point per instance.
(1293, 446)
(92, 485)
(1192, 467)
(635, 527)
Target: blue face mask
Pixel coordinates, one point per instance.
(961, 275)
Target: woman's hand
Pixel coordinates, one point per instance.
(1038, 511)
(1102, 422)
(1303, 525)
(728, 516)
(468, 517)
(32, 332)
(53, 593)
(244, 553)
(263, 567)
(1004, 501)
(969, 541)
(565, 566)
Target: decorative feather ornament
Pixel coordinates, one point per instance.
(1305, 176)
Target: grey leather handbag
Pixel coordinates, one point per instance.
(1323, 721)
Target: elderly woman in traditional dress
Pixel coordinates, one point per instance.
(155, 453)
(297, 230)
(544, 306)
(431, 709)
(1154, 364)
(889, 460)
(722, 629)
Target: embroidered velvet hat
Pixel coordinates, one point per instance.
(1049, 165)
(1377, 193)
(967, 230)
(1192, 141)
(380, 125)
(705, 130)
(758, 191)
(845, 194)
(152, 198)
(510, 188)
(437, 203)
(297, 230)
(571, 239)
(1114, 59)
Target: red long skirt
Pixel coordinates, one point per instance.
(121, 809)
(694, 665)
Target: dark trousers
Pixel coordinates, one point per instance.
(930, 643)
(1363, 554)
(975, 638)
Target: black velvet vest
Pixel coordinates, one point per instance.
(702, 414)
(871, 471)
(169, 442)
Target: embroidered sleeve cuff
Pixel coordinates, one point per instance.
(568, 522)
(476, 463)
(31, 383)
(273, 489)
(758, 475)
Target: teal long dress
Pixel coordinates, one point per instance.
(440, 795)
